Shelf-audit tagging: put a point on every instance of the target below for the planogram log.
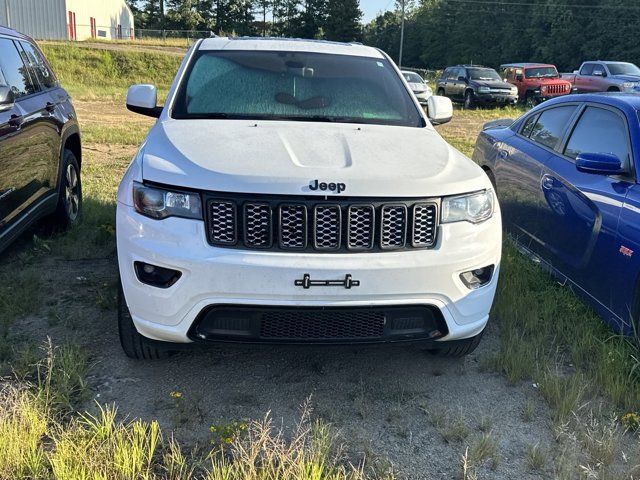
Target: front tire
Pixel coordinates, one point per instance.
(135, 346)
(440, 92)
(469, 101)
(530, 101)
(458, 348)
(69, 208)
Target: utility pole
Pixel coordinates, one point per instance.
(401, 36)
(162, 19)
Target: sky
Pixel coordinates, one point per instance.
(371, 8)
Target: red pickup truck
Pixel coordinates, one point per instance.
(536, 82)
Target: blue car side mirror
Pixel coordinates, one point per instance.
(599, 163)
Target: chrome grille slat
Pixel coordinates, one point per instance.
(307, 224)
(257, 225)
(361, 227)
(293, 227)
(327, 233)
(222, 222)
(424, 225)
(393, 228)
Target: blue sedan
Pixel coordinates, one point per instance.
(566, 174)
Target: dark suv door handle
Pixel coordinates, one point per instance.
(50, 107)
(15, 120)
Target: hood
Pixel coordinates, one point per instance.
(418, 87)
(551, 81)
(284, 157)
(492, 84)
(627, 78)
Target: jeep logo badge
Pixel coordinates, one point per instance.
(333, 187)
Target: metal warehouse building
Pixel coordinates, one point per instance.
(68, 19)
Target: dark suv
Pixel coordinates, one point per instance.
(475, 85)
(40, 152)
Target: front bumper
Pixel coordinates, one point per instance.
(496, 98)
(214, 277)
(423, 97)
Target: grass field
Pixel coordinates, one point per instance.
(588, 376)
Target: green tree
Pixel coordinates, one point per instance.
(343, 21)
(183, 14)
(286, 17)
(312, 19)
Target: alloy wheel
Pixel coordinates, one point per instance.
(72, 193)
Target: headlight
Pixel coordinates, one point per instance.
(630, 85)
(514, 89)
(484, 89)
(159, 203)
(429, 91)
(475, 207)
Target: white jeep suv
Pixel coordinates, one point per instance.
(295, 192)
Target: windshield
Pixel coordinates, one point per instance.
(540, 72)
(623, 69)
(483, 74)
(411, 77)
(269, 85)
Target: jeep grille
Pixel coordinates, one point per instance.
(316, 224)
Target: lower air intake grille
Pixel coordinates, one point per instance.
(271, 324)
(284, 324)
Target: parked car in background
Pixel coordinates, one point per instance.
(294, 191)
(475, 85)
(567, 175)
(536, 82)
(418, 86)
(602, 76)
(40, 154)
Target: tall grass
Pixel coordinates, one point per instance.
(548, 334)
(92, 74)
(39, 440)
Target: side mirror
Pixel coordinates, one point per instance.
(439, 110)
(598, 73)
(599, 163)
(7, 98)
(462, 79)
(519, 78)
(142, 99)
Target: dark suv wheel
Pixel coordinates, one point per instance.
(469, 100)
(69, 208)
(135, 346)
